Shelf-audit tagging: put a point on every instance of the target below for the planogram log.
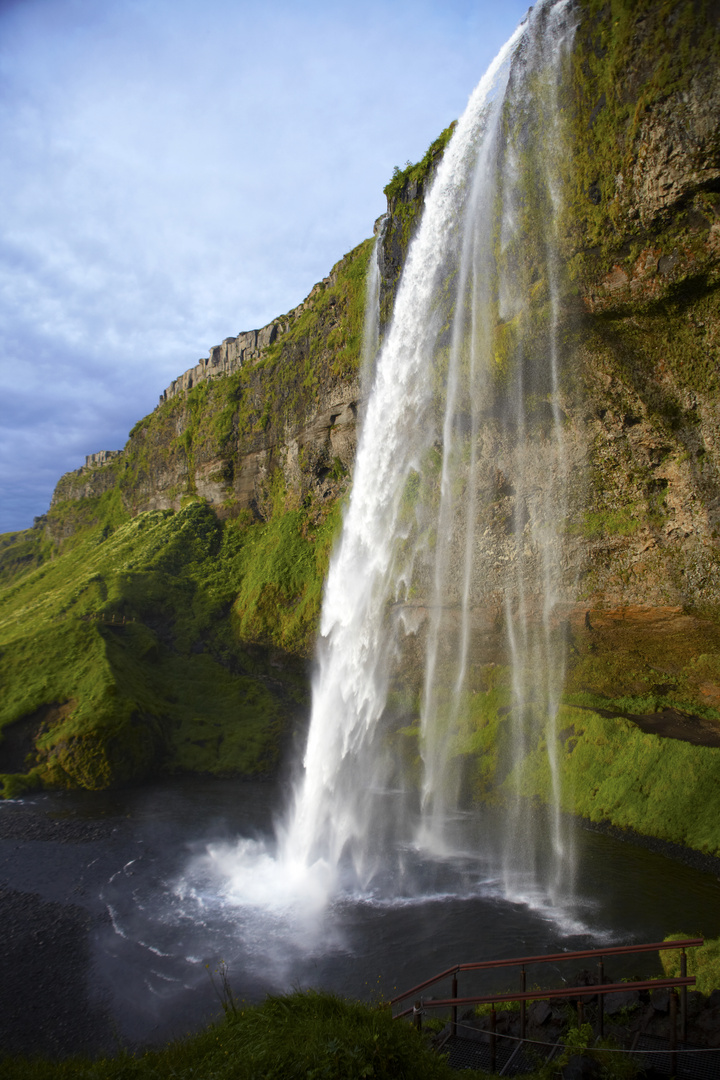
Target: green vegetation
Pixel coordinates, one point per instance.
(329, 330)
(620, 522)
(637, 669)
(612, 771)
(405, 193)
(703, 963)
(22, 551)
(164, 642)
(282, 577)
(302, 1036)
(209, 431)
(582, 1040)
(135, 640)
(322, 344)
(629, 57)
(419, 172)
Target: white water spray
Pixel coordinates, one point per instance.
(447, 571)
(417, 500)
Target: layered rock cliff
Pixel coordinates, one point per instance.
(209, 533)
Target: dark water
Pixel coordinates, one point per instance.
(165, 918)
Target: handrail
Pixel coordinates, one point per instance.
(583, 954)
(540, 995)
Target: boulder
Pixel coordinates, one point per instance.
(624, 999)
(540, 1012)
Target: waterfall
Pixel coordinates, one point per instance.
(442, 589)
(371, 326)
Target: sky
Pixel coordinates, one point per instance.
(173, 172)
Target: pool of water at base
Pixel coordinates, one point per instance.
(168, 918)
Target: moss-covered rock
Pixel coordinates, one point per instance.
(154, 636)
(162, 614)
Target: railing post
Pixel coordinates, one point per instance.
(601, 1001)
(493, 1019)
(417, 1015)
(453, 1025)
(523, 1003)
(683, 998)
(673, 1031)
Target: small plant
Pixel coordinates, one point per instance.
(220, 980)
(337, 470)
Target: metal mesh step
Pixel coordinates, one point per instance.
(464, 1053)
(512, 1059)
(700, 1066)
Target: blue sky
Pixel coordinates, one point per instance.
(175, 171)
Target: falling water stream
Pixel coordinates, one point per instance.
(444, 583)
(445, 428)
(446, 415)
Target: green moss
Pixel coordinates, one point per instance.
(16, 785)
(284, 563)
(663, 350)
(419, 172)
(612, 771)
(630, 668)
(21, 552)
(473, 730)
(629, 57)
(224, 418)
(323, 343)
(621, 522)
(295, 1037)
(70, 520)
(145, 631)
(702, 962)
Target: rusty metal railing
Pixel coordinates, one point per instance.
(524, 995)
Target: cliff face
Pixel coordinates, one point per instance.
(279, 400)
(284, 397)
(249, 453)
(647, 274)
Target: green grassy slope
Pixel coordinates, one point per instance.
(304, 1036)
(133, 648)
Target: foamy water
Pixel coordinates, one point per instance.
(337, 836)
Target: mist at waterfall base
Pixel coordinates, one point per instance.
(165, 914)
(359, 824)
(374, 868)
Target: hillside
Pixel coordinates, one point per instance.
(162, 614)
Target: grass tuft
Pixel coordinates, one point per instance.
(302, 1036)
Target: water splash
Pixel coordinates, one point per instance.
(449, 433)
(438, 619)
